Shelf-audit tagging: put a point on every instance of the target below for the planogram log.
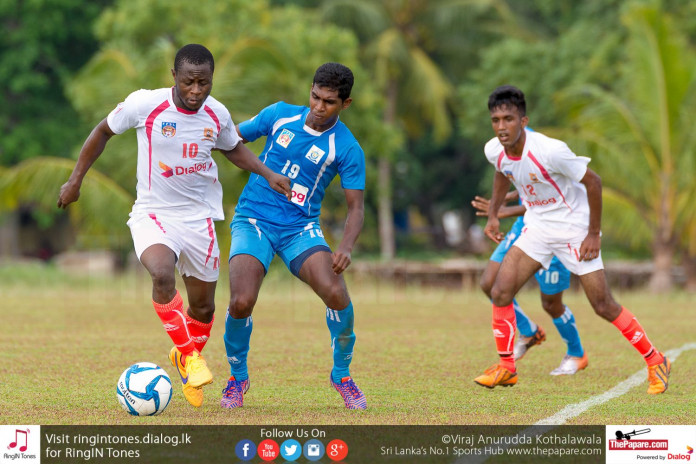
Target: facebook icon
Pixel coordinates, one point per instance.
(245, 450)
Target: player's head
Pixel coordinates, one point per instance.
(193, 76)
(330, 94)
(508, 111)
(335, 76)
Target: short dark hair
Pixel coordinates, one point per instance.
(194, 54)
(508, 95)
(335, 76)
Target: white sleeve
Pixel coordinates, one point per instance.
(125, 116)
(567, 163)
(228, 137)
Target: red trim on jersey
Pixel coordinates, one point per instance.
(547, 176)
(211, 233)
(159, 224)
(500, 159)
(182, 110)
(212, 114)
(148, 130)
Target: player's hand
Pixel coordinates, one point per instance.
(69, 193)
(589, 249)
(481, 205)
(281, 184)
(341, 260)
(492, 230)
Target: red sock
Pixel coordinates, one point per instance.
(504, 325)
(634, 333)
(200, 332)
(174, 323)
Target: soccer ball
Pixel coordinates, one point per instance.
(144, 389)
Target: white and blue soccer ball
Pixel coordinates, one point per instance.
(144, 389)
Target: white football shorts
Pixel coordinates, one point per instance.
(543, 244)
(194, 242)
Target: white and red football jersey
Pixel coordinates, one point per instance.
(547, 177)
(177, 175)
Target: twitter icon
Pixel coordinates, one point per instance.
(290, 450)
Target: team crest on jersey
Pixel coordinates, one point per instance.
(285, 138)
(169, 129)
(208, 134)
(315, 154)
(534, 178)
(509, 175)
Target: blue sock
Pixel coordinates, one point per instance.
(340, 325)
(525, 325)
(569, 333)
(237, 336)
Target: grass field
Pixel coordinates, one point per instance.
(64, 341)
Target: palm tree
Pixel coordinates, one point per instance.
(643, 135)
(395, 36)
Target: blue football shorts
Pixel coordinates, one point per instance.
(552, 281)
(263, 240)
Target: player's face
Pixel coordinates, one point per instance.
(508, 126)
(192, 85)
(324, 107)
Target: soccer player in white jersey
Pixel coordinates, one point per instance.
(563, 198)
(311, 146)
(178, 198)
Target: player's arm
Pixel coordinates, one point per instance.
(351, 231)
(589, 249)
(240, 134)
(501, 184)
(481, 204)
(91, 149)
(245, 159)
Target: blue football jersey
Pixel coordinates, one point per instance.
(309, 158)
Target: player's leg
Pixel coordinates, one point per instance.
(552, 283)
(160, 260)
(597, 291)
(516, 269)
(525, 324)
(251, 253)
(331, 288)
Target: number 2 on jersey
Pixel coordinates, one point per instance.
(190, 151)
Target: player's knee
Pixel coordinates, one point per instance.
(606, 309)
(553, 308)
(241, 306)
(336, 297)
(501, 296)
(486, 285)
(163, 280)
(203, 312)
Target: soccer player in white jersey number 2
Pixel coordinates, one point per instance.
(311, 146)
(563, 198)
(178, 198)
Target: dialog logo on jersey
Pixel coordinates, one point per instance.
(181, 170)
(299, 194)
(285, 138)
(166, 170)
(169, 129)
(509, 175)
(315, 154)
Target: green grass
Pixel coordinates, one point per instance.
(65, 340)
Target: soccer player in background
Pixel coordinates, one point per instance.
(552, 283)
(178, 198)
(311, 146)
(563, 198)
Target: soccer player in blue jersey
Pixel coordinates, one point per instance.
(311, 146)
(552, 283)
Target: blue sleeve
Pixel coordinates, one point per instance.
(352, 168)
(260, 125)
